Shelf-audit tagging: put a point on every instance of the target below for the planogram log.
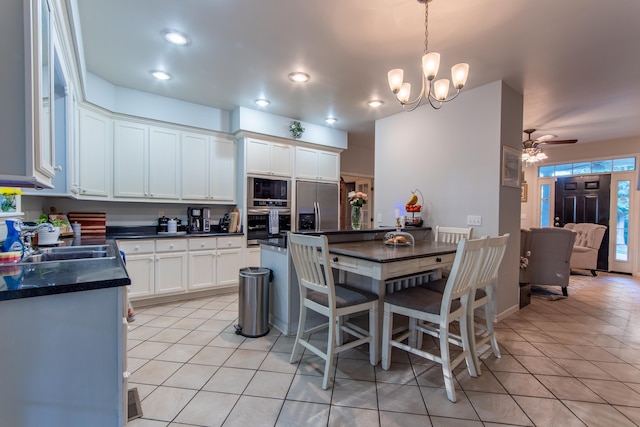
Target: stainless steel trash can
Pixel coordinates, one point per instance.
(253, 309)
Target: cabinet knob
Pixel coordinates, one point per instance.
(171, 246)
(137, 248)
(438, 259)
(58, 168)
(202, 245)
(335, 259)
(126, 374)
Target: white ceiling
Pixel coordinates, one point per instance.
(575, 61)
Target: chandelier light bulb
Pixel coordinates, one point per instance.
(395, 77)
(459, 74)
(430, 65)
(404, 93)
(441, 89)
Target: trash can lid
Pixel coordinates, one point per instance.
(255, 271)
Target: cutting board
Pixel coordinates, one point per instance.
(92, 224)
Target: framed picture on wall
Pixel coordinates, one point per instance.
(523, 192)
(511, 167)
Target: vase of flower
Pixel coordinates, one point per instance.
(356, 200)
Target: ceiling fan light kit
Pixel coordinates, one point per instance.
(531, 150)
(435, 93)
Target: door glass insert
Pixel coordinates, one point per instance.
(622, 221)
(545, 205)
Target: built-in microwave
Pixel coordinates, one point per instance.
(268, 193)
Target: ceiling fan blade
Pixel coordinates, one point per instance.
(560, 141)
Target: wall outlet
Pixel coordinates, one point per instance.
(379, 217)
(474, 220)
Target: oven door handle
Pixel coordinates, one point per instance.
(316, 209)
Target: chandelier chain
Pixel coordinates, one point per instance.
(426, 27)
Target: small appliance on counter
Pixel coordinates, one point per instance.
(199, 220)
(225, 221)
(163, 225)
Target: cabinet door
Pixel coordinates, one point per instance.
(195, 165)
(252, 257)
(222, 171)
(164, 163)
(94, 154)
(140, 270)
(328, 166)
(306, 163)
(228, 267)
(170, 272)
(202, 269)
(281, 159)
(258, 156)
(130, 159)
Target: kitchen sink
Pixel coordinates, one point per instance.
(70, 253)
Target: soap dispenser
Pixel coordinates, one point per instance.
(12, 243)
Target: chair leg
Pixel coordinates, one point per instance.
(331, 345)
(387, 327)
(374, 334)
(297, 347)
(564, 291)
(467, 333)
(489, 316)
(447, 372)
(594, 273)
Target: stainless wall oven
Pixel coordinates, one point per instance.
(264, 223)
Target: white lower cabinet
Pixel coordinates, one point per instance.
(172, 266)
(214, 262)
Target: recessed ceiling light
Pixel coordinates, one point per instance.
(262, 102)
(375, 103)
(176, 37)
(330, 120)
(160, 75)
(299, 77)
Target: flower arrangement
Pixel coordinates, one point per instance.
(9, 199)
(357, 199)
(296, 129)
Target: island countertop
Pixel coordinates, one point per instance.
(377, 251)
(24, 280)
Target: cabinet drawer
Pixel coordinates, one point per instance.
(171, 245)
(136, 246)
(229, 242)
(202, 243)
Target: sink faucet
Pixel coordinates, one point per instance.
(28, 231)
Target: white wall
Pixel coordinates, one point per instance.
(358, 159)
(453, 157)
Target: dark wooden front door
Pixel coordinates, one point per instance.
(585, 199)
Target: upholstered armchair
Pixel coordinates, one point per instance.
(548, 251)
(585, 249)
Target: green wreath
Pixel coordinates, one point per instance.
(296, 129)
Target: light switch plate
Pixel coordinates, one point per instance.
(379, 217)
(474, 220)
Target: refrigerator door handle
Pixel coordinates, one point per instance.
(316, 206)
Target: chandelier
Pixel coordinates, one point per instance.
(434, 92)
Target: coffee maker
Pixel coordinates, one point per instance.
(199, 220)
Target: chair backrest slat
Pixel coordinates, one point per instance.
(453, 234)
(311, 261)
(465, 270)
(492, 258)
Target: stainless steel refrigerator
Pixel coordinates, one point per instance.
(317, 206)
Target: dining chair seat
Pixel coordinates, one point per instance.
(336, 302)
(432, 313)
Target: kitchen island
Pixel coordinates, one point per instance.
(360, 259)
(64, 333)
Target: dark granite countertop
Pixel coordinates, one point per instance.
(24, 280)
(149, 232)
(377, 251)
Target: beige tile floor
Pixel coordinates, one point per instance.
(565, 362)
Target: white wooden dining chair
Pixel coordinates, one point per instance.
(319, 292)
(433, 313)
(483, 292)
(484, 297)
(453, 234)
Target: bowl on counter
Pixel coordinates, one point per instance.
(48, 238)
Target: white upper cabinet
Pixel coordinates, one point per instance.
(268, 158)
(94, 154)
(146, 161)
(26, 89)
(208, 168)
(317, 164)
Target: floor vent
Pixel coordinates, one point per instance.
(134, 410)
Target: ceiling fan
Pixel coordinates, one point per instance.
(531, 150)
